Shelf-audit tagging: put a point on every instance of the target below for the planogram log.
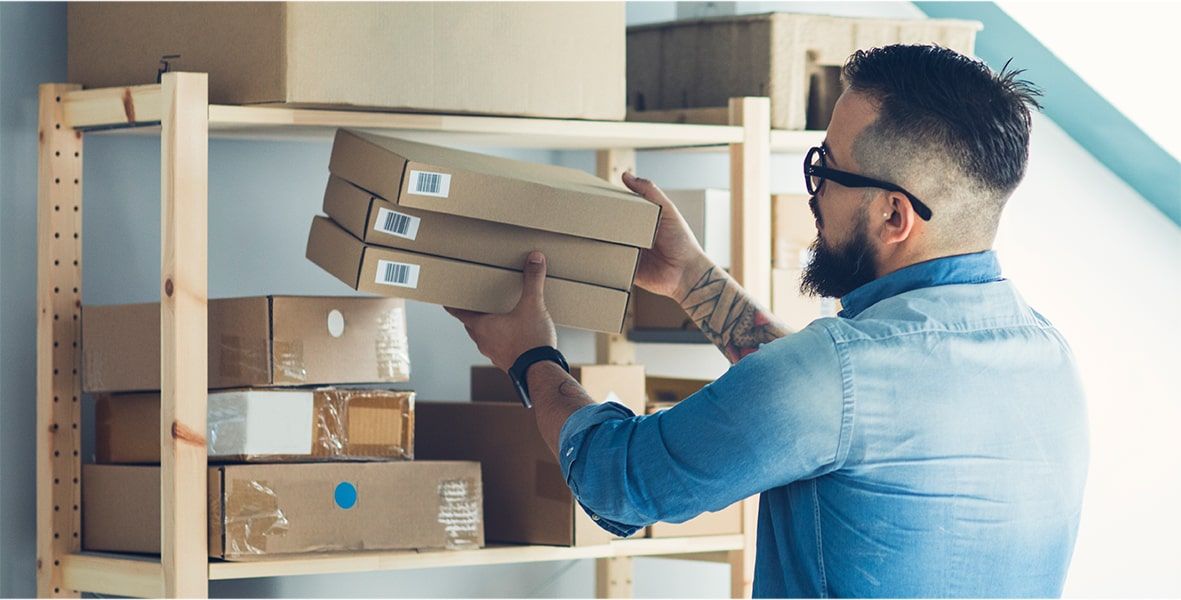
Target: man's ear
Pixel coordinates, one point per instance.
(895, 218)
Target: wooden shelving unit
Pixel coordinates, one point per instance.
(178, 111)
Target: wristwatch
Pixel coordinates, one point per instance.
(528, 359)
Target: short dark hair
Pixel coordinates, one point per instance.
(938, 98)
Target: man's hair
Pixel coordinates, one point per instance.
(947, 125)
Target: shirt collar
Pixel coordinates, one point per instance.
(980, 267)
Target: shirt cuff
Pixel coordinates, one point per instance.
(570, 444)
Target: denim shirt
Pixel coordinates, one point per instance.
(931, 440)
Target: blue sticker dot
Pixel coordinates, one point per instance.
(346, 495)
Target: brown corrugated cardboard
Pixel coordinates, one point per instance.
(787, 57)
(526, 499)
(652, 311)
(256, 341)
(663, 393)
(707, 212)
(456, 283)
(793, 308)
(267, 425)
(792, 232)
(621, 383)
(274, 509)
(376, 221)
(546, 197)
(545, 59)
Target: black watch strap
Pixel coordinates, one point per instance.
(527, 359)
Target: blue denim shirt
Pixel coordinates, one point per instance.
(929, 441)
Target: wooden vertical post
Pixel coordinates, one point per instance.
(750, 260)
(184, 176)
(59, 307)
(614, 348)
(613, 577)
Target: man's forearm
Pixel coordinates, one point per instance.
(727, 315)
(556, 396)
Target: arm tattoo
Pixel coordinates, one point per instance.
(729, 317)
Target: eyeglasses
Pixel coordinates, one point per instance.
(815, 174)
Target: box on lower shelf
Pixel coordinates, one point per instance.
(261, 510)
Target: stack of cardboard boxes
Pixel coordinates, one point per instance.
(275, 420)
(454, 228)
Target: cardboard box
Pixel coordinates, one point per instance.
(792, 232)
(456, 283)
(273, 509)
(788, 57)
(707, 212)
(267, 425)
(794, 308)
(546, 197)
(622, 383)
(653, 311)
(663, 393)
(545, 59)
(376, 221)
(254, 342)
(526, 499)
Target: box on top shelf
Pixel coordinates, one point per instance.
(274, 509)
(546, 197)
(622, 383)
(526, 499)
(789, 57)
(254, 342)
(707, 211)
(538, 59)
(271, 425)
(379, 222)
(456, 283)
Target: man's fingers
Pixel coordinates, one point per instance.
(533, 291)
(645, 188)
(461, 314)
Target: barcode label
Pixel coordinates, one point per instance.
(425, 183)
(396, 223)
(397, 274)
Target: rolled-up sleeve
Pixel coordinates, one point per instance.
(779, 415)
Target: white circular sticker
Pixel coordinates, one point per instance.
(335, 323)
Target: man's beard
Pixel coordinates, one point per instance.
(836, 272)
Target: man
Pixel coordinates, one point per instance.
(931, 440)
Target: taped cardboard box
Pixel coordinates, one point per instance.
(254, 342)
(274, 509)
(269, 425)
(791, 58)
(456, 283)
(707, 211)
(466, 184)
(620, 383)
(543, 59)
(792, 307)
(526, 499)
(664, 393)
(376, 221)
(793, 230)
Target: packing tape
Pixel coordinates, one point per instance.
(289, 363)
(333, 411)
(226, 428)
(393, 348)
(252, 517)
(459, 512)
(243, 359)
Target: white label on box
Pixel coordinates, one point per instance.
(396, 224)
(397, 274)
(425, 183)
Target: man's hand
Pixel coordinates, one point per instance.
(676, 261)
(505, 337)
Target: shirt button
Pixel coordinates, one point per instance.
(569, 451)
(594, 517)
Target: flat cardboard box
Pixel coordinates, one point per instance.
(376, 221)
(794, 308)
(271, 425)
(526, 499)
(793, 230)
(274, 509)
(456, 283)
(254, 342)
(545, 59)
(707, 211)
(489, 188)
(663, 393)
(621, 383)
(791, 58)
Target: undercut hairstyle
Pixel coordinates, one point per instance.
(949, 129)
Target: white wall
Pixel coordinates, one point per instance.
(1090, 254)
